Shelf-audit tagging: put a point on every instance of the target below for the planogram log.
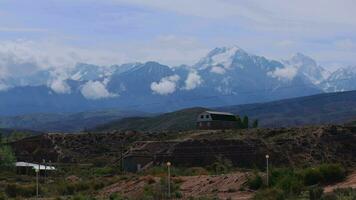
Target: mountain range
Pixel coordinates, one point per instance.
(225, 76)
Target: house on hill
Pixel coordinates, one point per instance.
(216, 120)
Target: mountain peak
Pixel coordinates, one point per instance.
(220, 56)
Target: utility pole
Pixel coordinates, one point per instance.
(267, 157)
(44, 176)
(122, 157)
(169, 179)
(37, 187)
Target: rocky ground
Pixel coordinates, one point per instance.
(228, 186)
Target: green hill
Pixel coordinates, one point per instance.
(331, 108)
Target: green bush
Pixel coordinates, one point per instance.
(255, 183)
(291, 184)
(221, 166)
(315, 193)
(2, 196)
(116, 196)
(83, 197)
(7, 157)
(343, 194)
(269, 194)
(65, 188)
(312, 176)
(16, 190)
(102, 171)
(332, 173)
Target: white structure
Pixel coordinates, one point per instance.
(216, 120)
(34, 166)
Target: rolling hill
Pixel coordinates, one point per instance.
(334, 108)
(65, 122)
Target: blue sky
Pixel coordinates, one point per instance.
(63, 32)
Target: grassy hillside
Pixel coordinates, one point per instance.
(65, 122)
(332, 108)
(174, 121)
(328, 108)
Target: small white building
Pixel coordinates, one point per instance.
(25, 167)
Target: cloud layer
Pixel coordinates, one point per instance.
(95, 90)
(166, 85)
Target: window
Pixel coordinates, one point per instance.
(202, 116)
(207, 116)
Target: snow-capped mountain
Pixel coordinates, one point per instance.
(307, 68)
(226, 75)
(343, 79)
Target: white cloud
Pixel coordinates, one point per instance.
(95, 90)
(288, 73)
(3, 87)
(193, 80)
(59, 86)
(166, 85)
(218, 70)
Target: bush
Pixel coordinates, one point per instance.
(83, 197)
(315, 193)
(116, 196)
(332, 173)
(255, 183)
(2, 196)
(7, 157)
(291, 185)
(312, 176)
(344, 194)
(16, 190)
(269, 194)
(65, 188)
(221, 166)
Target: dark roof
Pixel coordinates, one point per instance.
(222, 117)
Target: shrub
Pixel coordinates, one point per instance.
(116, 196)
(291, 184)
(315, 193)
(269, 194)
(255, 183)
(7, 157)
(15, 190)
(221, 166)
(332, 173)
(312, 176)
(2, 196)
(83, 197)
(344, 194)
(102, 171)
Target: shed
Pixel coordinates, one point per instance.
(216, 120)
(25, 167)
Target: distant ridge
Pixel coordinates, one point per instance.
(330, 108)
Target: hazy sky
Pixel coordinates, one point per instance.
(62, 32)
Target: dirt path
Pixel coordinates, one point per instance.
(349, 182)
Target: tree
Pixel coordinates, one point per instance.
(245, 122)
(255, 123)
(239, 122)
(7, 157)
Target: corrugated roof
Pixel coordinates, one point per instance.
(34, 166)
(219, 113)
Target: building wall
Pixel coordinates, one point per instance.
(206, 125)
